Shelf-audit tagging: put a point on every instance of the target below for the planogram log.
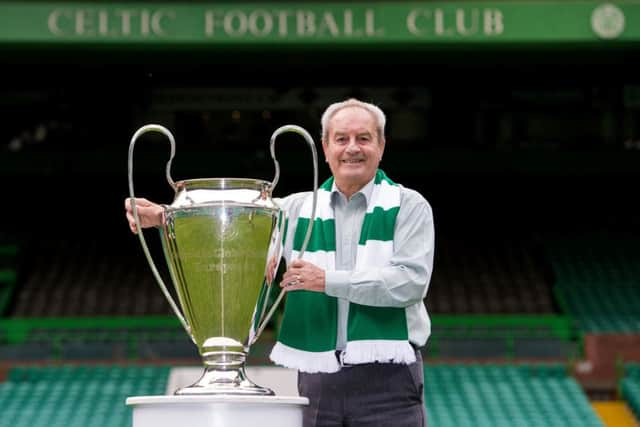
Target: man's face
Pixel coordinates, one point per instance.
(353, 149)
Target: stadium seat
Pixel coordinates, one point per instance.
(505, 396)
(630, 387)
(597, 278)
(489, 275)
(71, 396)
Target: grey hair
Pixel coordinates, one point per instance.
(332, 109)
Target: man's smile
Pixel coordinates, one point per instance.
(352, 161)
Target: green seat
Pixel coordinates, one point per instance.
(597, 280)
(495, 395)
(630, 387)
(72, 396)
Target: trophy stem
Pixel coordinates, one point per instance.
(225, 374)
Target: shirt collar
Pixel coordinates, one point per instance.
(366, 191)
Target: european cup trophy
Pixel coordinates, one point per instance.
(219, 236)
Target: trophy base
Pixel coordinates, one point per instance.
(217, 381)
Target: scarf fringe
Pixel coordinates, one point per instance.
(384, 351)
(304, 361)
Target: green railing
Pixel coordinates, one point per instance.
(551, 325)
(18, 330)
(503, 336)
(505, 333)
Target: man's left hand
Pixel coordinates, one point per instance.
(303, 275)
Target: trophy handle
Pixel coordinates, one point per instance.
(143, 242)
(300, 131)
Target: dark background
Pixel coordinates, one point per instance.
(500, 141)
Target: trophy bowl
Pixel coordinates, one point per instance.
(219, 235)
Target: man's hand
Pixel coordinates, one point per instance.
(149, 213)
(303, 275)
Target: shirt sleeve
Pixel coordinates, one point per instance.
(404, 280)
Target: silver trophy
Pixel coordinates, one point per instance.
(220, 236)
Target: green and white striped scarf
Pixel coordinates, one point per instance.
(307, 339)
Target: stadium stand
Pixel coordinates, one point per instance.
(513, 314)
(505, 396)
(80, 277)
(75, 396)
(491, 303)
(488, 300)
(597, 278)
(456, 395)
(484, 274)
(502, 337)
(491, 298)
(85, 339)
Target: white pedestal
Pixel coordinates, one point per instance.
(217, 411)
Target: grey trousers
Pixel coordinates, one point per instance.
(367, 395)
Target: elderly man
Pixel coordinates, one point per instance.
(354, 317)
